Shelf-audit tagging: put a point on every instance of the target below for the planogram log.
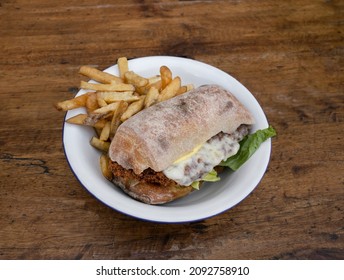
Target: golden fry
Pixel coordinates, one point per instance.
(89, 120)
(109, 96)
(99, 124)
(104, 166)
(170, 90)
(106, 109)
(123, 67)
(98, 131)
(185, 88)
(135, 79)
(154, 79)
(157, 85)
(107, 87)
(78, 119)
(99, 144)
(116, 118)
(151, 97)
(181, 90)
(142, 90)
(99, 76)
(96, 120)
(133, 108)
(100, 100)
(77, 102)
(91, 102)
(189, 87)
(104, 135)
(166, 76)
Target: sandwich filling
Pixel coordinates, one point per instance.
(202, 160)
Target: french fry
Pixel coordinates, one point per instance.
(166, 76)
(96, 120)
(91, 102)
(104, 166)
(98, 131)
(132, 78)
(151, 97)
(116, 118)
(142, 90)
(98, 124)
(77, 102)
(133, 108)
(189, 87)
(77, 119)
(170, 90)
(106, 109)
(181, 90)
(99, 76)
(104, 135)
(99, 144)
(100, 100)
(154, 79)
(123, 67)
(157, 85)
(109, 96)
(85, 119)
(185, 88)
(107, 87)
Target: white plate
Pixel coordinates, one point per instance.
(213, 198)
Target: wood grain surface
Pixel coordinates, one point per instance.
(289, 54)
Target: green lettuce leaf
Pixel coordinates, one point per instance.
(209, 177)
(248, 146)
(195, 185)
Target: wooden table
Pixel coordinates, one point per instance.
(289, 54)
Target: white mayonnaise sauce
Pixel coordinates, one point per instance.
(193, 166)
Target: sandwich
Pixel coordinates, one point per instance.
(169, 149)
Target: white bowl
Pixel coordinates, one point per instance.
(213, 198)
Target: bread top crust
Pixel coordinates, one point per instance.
(159, 135)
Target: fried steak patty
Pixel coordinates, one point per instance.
(149, 187)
